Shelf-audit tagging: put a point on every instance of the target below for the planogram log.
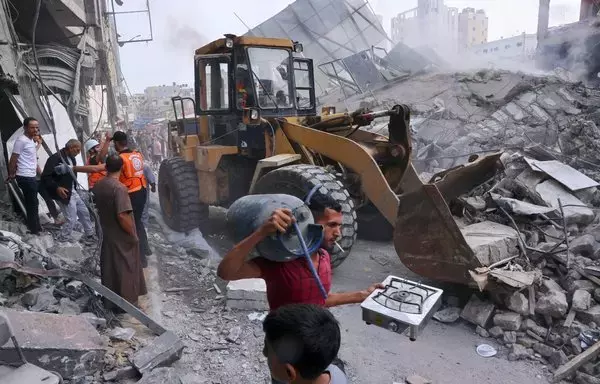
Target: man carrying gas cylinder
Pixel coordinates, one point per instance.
(292, 282)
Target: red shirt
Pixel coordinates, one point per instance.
(292, 282)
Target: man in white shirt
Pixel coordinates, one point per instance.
(23, 167)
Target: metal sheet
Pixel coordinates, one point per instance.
(563, 173)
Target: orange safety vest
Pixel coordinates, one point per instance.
(95, 177)
(132, 173)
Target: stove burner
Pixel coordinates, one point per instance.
(404, 296)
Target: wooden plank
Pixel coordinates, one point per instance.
(531, 290)
(575, 363)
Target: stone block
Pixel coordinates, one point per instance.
(558, 358)
(550, 191)
(482, 332)
(509, 337)
(581, 300)
(247, 289)
(477, 311)
(68, 345)
(39, 299)
(585, 285)
(589, 315)
(161, 376)
(517, 302)
(121, 374)
(508, 321)
(553, 302)
(491, 242)
(518, 352)
(543, 349)
(164, 350)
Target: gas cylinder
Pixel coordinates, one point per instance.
(248, 213)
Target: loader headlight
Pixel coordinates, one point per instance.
(229, 43)
(298, 48)
(254, 114)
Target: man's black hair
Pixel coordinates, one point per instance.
(114, 163)
(319, 202)
(303, 335)
(120, 137)
(28, 120)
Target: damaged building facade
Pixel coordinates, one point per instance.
(53, 55)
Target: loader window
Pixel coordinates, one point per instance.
(214, 84)
(270, 72)
(304, 84)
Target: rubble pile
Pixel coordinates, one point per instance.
(535, 230)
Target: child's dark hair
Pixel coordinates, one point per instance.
(319, 202)
(303, 335)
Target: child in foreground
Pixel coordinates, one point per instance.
(302, 341)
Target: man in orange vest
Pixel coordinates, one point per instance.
(96, 153)
(132, 176)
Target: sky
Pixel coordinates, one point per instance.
(181, 26)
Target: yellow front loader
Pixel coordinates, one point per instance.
(256, 130)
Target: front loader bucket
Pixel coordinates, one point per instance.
(426, 237)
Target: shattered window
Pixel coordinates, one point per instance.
(270, 72)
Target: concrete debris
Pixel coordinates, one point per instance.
(543, 349)
(97, 322)
(517, 302)
(477, 311)
(162, 376)
(581, 300)
(558, 358)
(509, 337)
(121, 374)
(482, 332)
(447, 315)
(518, 352)
(590, 315)
(166, 349)
(123, 334)
(552, 303)
(247, 294)
(576, 211)
(508, 321)
(39, 299)
(68, 307)
(68, 345)
(234, 334)
(491, 242)
(584, 378)
(496, 332)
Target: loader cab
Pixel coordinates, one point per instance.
(239, 73)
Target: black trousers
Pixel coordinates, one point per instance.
(49, 202)
(29, 187)
(138, 200)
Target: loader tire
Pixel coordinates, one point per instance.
(178, 194)
(298, 180)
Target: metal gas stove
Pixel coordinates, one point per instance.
(403, 306)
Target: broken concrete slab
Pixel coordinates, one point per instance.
(97, 322)
(161, 376)
(576, 213)
(543, 349)
(68, 345)
(518, 352)
(164, 350)
(584, 378)
(558, 358)
(478, 311)
(581, 300)
(491, 242)
(123, 334)
(508, 321)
